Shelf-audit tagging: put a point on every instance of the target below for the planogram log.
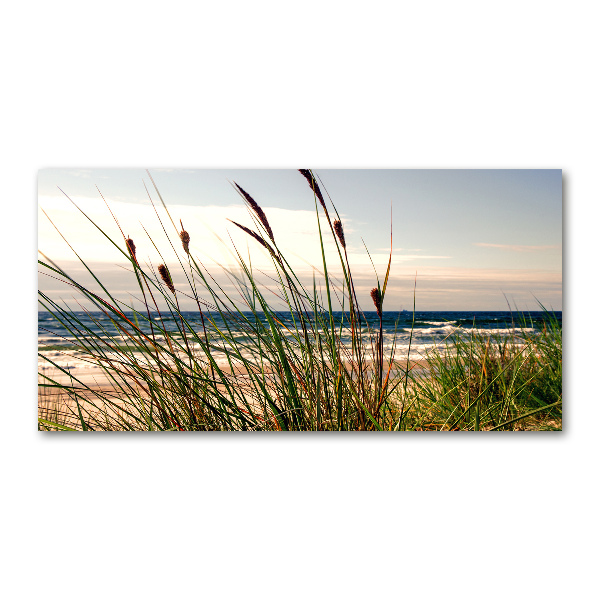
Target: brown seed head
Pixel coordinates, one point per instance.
(257, 209)
(314, 186)
(376, 300)
(251, 233)
(166, 277)
(185, 240)
(339, 231)
(130, 247)
(258, 239)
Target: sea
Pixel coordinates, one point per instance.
(404, 332)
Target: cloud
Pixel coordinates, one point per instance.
(398, 249)
(437, 288)
(517, 248)
(215, 240)
(213, 237)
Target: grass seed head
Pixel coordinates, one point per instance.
(166, 277)
(339, 231)
(185, 240)
(251, 233)
(257, 209)
(130, 247)
(375, 294)
(258, 239)
(314, 186)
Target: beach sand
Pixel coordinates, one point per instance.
(55, 405)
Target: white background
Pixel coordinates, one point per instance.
(312, 84)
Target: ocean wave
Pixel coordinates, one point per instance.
(445, 330)
(505, 331)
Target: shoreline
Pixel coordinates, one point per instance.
(94, 377)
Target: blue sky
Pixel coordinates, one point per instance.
(471, 236)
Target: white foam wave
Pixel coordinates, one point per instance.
(445, 330)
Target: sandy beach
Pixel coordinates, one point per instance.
(55, 405)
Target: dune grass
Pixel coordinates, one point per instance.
(285, 370)
(485, 381)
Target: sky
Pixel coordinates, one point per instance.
(468, 239)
